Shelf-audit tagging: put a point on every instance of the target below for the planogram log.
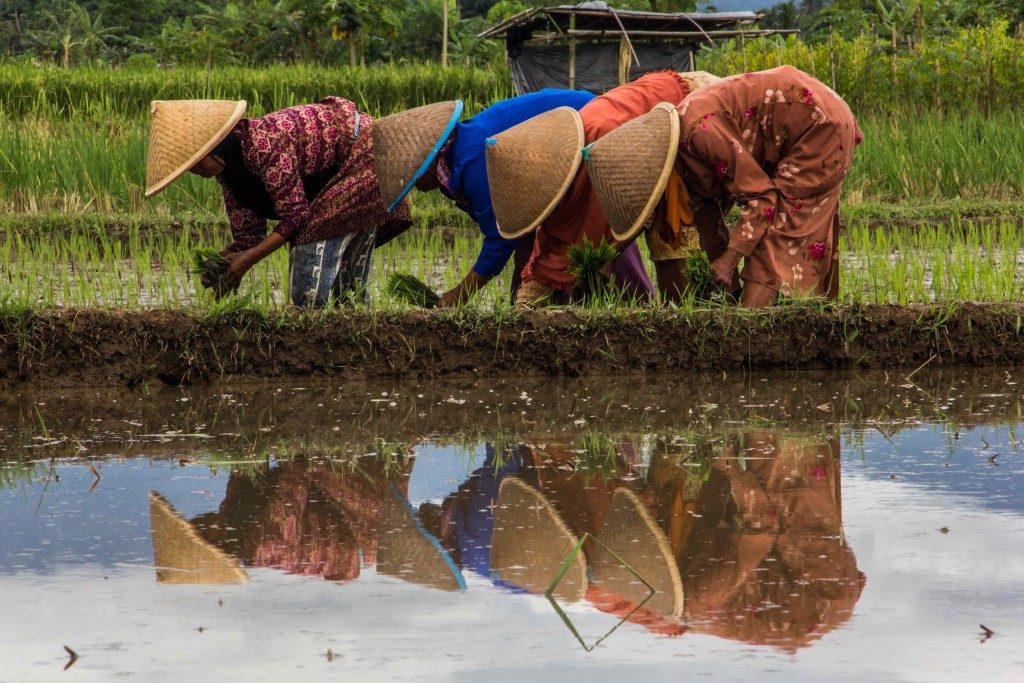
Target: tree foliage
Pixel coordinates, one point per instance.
(260, 32)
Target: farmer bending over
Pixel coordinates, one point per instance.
(414, 151)
(777, 142)
(309, 167)
(544, 155)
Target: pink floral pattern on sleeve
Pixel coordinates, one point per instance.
(286, 145)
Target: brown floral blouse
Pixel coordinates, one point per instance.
(759, 138)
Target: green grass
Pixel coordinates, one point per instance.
(49, 164)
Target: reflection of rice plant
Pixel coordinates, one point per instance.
(597, 455)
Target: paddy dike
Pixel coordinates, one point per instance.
(101, 347)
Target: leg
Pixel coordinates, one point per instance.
(756, 295)
(355, 265)
(672, 280)
(312, 271)
(829, 285)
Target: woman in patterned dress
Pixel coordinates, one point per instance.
(308, 167)
(778, 143)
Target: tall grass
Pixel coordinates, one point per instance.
(50, 164)
(975, 68)
(99, 92)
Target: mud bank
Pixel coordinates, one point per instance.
(93, 347)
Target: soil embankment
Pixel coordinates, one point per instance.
(96, 347)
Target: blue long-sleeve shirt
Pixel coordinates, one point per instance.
(466, 161)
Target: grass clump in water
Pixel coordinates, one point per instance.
(413, 290)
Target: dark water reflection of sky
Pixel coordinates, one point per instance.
(797, 527)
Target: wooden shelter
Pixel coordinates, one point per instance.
(596, 47)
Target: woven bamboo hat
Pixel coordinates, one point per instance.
(182, 555)
(632, 533)
(409, 552)
(184, 131)
(630, 167)
(531, 541)
(530, 166)
(405, 145)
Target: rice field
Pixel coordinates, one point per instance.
(140, 268)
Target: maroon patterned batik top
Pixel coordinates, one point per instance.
(286, 145)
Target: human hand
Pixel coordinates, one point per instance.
(724, 270)
(239, 263)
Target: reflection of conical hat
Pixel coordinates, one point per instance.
(184, 131)
(630, 167)
(409, 552)
(530, 167)
(405, 145)
(631, 533)
(182, 555)
(531, 541)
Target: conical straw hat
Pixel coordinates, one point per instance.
(531, 541)
(630, 167)
(184, 131)
(405, 145)
(632, 533)
(409, 552)
(698, 79)
(182, 555)
(530, 166)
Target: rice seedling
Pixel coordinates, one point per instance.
(210, 266)
(413, 290)
(588, 263)
(139, 266)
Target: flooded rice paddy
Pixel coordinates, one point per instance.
(769, 527)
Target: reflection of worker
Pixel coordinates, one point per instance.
(309, 167)
(765, 560)
(303, 518)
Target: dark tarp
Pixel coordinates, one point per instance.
(597, 64)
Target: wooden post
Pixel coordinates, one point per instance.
(444, 33)
(572, 53)
(624, 60)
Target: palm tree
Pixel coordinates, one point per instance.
(77, 31)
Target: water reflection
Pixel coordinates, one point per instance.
(739, 536)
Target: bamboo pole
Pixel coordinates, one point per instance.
(444, 33)
(625, 56)
(572, 53)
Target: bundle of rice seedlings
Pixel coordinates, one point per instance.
(699, 275)
(412, 289)
(210, 266)
(586, 262)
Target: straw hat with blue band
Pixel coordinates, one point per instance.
(406, 144)
(630, 167)
(531, 166)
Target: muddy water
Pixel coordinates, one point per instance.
(778, 527)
